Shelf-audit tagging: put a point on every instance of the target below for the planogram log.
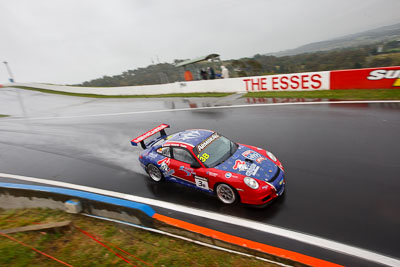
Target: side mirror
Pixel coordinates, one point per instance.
(195, 165)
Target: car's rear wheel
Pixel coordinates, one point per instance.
(226, 194)
(154, 173)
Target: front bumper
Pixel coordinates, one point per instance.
(261, 197)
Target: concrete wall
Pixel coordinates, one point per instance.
(373, 78)
(15, 196)
(286, 82)
(209, 86)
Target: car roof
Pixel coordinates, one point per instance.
(190, 137)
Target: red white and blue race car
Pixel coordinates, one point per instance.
(210, 162)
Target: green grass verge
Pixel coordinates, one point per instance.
(77, 249)
(378, 94)
(2, 115)
(124, 96)
(381, 94)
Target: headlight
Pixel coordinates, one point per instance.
(271, 156)
(250, 182)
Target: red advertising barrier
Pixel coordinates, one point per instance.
(373, 78)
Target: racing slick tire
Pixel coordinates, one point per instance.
(154, 173)
(226, 194)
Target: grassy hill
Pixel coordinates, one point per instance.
(379, 35)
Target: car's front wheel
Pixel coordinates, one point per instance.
(226, 194)
(154, 173)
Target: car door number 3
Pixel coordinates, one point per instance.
(201, 182)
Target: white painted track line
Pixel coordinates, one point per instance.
(302, 237)
(194, 109)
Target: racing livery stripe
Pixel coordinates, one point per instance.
(176, 143)
(283, 253)
(201, 130)
(183, 179)
(176, 177)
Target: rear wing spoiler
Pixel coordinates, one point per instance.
(140, 139)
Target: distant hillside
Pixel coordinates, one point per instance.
(378, 35)
(374, 48)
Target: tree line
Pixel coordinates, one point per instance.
(379, 55)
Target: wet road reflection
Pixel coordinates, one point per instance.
(341, 160)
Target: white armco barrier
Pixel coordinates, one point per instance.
(309, 81)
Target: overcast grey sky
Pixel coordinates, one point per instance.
(71, 41)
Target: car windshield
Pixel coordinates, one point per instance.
(219, 150)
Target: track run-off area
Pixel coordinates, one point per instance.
(341, 161)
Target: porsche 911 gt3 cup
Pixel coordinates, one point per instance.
(210, 162)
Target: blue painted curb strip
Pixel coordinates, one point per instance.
(75, 193)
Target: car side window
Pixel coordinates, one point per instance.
(183, 155)
(166, 151)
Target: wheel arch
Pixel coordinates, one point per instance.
(160, 171)
(239, 200)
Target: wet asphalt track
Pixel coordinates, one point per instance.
(341, 160)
